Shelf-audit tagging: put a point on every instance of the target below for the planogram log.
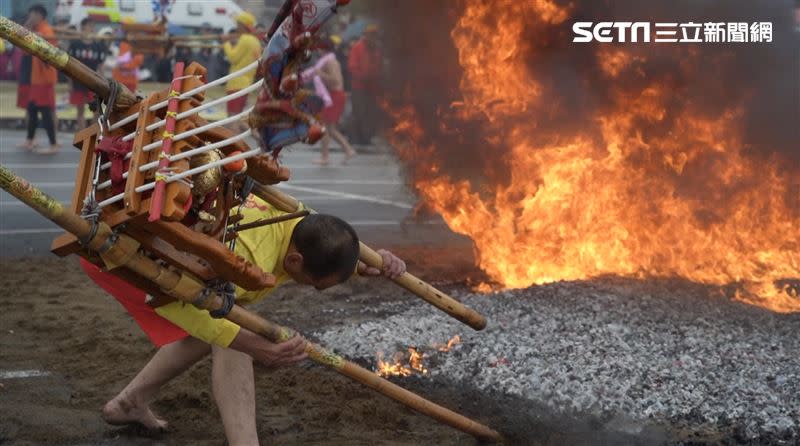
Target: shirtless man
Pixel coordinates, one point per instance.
(330, 72)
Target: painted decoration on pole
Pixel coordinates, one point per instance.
(24, 38)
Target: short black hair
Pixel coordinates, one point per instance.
(85, 22)
(329, 246)
(39, 9)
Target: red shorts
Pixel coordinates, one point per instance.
(159, 330)
(332, 114)
(80, 97)
(236, 106)
(22, 95)
(43, 95)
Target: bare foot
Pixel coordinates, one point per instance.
(120, 412)
(52, 150)
(322, 161)
(348, 156)
(28, 145)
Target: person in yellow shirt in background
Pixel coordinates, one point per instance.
(318, 250)
(243, 49)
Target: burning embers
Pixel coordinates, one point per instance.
(566, 163)
(410, 362)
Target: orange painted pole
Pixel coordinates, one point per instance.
(157, 201)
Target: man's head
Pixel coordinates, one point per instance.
(36, 14)
(87, 26)
(245, 22)
(323, 251)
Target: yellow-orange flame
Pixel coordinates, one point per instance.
(587, 206)
(455, 340)
(401, 365)
(407, 365)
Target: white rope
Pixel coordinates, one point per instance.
(199, 108)
(203, 149)
(187, 94)
(207, 148)
(175, 177)
(186, 134)
(201, 129)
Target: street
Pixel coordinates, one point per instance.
(369, 193)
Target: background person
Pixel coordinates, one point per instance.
(126, 69)
(364, 63)
(241, 50)
(91, 53)
(41, 92)
(329, 71)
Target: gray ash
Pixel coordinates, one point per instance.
(614, 359)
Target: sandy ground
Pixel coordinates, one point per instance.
(53, 318)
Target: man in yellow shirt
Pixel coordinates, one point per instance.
(318, 250)
(241, 51)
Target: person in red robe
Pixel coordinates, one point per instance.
(40, 95)
(365, 65)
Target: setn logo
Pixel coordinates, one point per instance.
(605, 32)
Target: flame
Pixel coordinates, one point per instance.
(394, 368)
(450, 344)
(616, 201)
(407, 365)
(400, 365)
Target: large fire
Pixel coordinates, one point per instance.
(617, 194)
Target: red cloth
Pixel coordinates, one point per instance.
(23, 95)
(364, 65)
(332, 114)
(43, 95)
(160, 331)
(237, 105)
(80, 97)
(116, 149)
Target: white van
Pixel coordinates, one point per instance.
(185, 13)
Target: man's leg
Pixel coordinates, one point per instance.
(324, 158)
(131, 405)
(337, 136)
(33, 122)
(359, 118)
(234, 392)
(49, 121)
(372, 116)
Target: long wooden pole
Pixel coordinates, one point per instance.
(424, 290)
(124, 252)
(36, 46)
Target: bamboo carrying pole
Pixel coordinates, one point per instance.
(36, 46)
(122, 250)
(427, 292)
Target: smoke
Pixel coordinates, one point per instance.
(763, 80)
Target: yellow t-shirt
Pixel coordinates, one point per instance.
(264, 247)
(246, 51)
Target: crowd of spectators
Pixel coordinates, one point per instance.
(352, 72)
